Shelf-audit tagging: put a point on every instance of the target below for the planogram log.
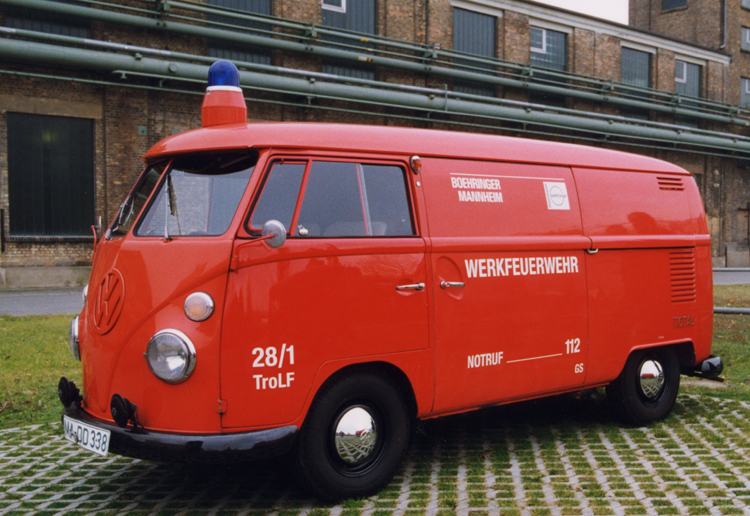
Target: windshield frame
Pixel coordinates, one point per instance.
(115, 224)
(241, 154)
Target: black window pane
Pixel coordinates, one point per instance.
(50, 175)
(474, 33)
(28, 19)
(279, 197)
(666, 5)
(235, 51)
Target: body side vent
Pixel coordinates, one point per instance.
(673, 183)
(682, 275)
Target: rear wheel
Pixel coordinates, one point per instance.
(355, 434)
(647, 387)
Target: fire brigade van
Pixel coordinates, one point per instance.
(316, 289)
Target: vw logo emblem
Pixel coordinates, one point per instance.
(110, 297)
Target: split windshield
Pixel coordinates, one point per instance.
(199, 196)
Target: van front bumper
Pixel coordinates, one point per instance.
(140, 443)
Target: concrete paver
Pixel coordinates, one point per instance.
(556, 457)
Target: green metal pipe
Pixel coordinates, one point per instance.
(332, 53)
(35, 53)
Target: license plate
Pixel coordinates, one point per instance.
(87, 436)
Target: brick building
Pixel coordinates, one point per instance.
(86, 88)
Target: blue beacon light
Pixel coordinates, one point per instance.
(223, 74)
(223, 103)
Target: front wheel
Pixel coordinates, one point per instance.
(647, 387)
(354, 436)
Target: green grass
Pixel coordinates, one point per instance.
(34, 355)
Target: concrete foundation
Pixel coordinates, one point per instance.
(23, 278)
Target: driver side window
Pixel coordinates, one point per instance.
(336, 199)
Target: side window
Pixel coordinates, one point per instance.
(340, 199)
(279, 195)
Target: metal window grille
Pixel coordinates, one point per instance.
(474, 33)
(358, 16)
(236, 52)
(50, 175)
(667, 5)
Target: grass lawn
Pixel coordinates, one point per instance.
(34, 355)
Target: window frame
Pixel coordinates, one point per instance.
(538, 50)
(334, 8)
(681, 79)
(745, 90)
(309, 160)
(684, 5)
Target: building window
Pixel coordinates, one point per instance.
(548, 50)
(635, 71)
(236, 51)
(745, 44)
(668, 5)
(745, 92)
(50, 175)
(687, 83)
(357, 16)
(27, 19)
(746, 4)
(474, 33)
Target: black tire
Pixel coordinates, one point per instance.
(641, 401)
(322, 467)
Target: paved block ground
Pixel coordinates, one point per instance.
(557, 457)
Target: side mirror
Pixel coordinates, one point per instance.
(275, 233)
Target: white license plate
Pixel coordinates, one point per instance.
(87, 436)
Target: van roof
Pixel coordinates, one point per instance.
(403, 141)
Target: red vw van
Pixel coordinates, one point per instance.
(318, 288)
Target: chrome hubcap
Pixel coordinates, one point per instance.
(356, 435)
(652, 378)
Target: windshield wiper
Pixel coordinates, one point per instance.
(171, 209)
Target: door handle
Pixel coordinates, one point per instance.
(449, 284)
(413, 286)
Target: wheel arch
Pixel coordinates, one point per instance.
(387, 369)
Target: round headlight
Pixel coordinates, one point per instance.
(199, 306)
(171, 356)
(73, 339)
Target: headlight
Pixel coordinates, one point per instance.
(73, 339)
(85, 293)
(199, 306)
(170, 356)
